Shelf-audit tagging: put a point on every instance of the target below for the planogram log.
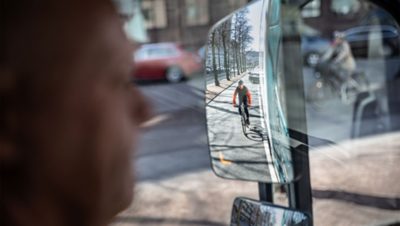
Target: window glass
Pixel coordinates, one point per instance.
(345, 7)
(196, 12)
(154, 12)
(156, 52)
(274, 97)
(312, 9)
(352, 102)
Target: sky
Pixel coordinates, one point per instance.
(254, 17)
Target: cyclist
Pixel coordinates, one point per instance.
(339, 59)
(244, 97)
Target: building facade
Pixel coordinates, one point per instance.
(185, 21)
(339, 14)
(188, 21)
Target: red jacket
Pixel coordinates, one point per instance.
(241, 93)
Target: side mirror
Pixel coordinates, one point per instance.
(246, 120)
(246, 212)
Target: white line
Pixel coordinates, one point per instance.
(155, 120)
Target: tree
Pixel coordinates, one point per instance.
(225, 36)
(214, 64)
(241, 38)
(219, 41)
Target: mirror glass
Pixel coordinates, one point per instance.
(247, 131)
(246, 212)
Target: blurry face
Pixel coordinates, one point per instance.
(81, 123)
(241, 86)
(338, 40)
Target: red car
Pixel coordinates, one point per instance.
(164, 61)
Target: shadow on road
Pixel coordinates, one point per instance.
(359, 199)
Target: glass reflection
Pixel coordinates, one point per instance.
(352, 90)
(242, 81)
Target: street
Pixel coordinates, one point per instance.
(177, 143)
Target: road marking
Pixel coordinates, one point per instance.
(155, 120)
(222, 160)
(268, 144)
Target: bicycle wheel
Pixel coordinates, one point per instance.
(174, 74)
(243, 119)
(354, 86)
(319, 94)
(361, 79)
(244, 124)
(349, 91)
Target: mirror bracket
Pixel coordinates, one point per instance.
(265, 191)
(299, 193)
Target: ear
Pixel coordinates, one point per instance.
(8, 88)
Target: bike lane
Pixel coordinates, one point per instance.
(235, 154)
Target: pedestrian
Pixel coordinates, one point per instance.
(69, 115)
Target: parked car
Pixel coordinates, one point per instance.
(312, 49)
(361, 38)
(254, 75)
(379, 16)
(164, 61)
(202, 52)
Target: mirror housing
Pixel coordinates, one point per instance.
(247, 212)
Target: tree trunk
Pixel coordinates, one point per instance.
(216, 81)
(219, 58)
(226, 64)
(237, 59)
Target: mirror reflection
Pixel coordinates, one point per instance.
(246, 212)
(351, 76)
(246, 128)
(350, 69)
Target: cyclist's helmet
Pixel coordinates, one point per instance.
(240, 82)
(339, 34)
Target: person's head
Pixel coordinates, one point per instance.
(69, 115)
(241, 84)
(338, 36)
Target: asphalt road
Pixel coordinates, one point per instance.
(176, 142)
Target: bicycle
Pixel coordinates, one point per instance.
(243, 118)
(327, 86)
